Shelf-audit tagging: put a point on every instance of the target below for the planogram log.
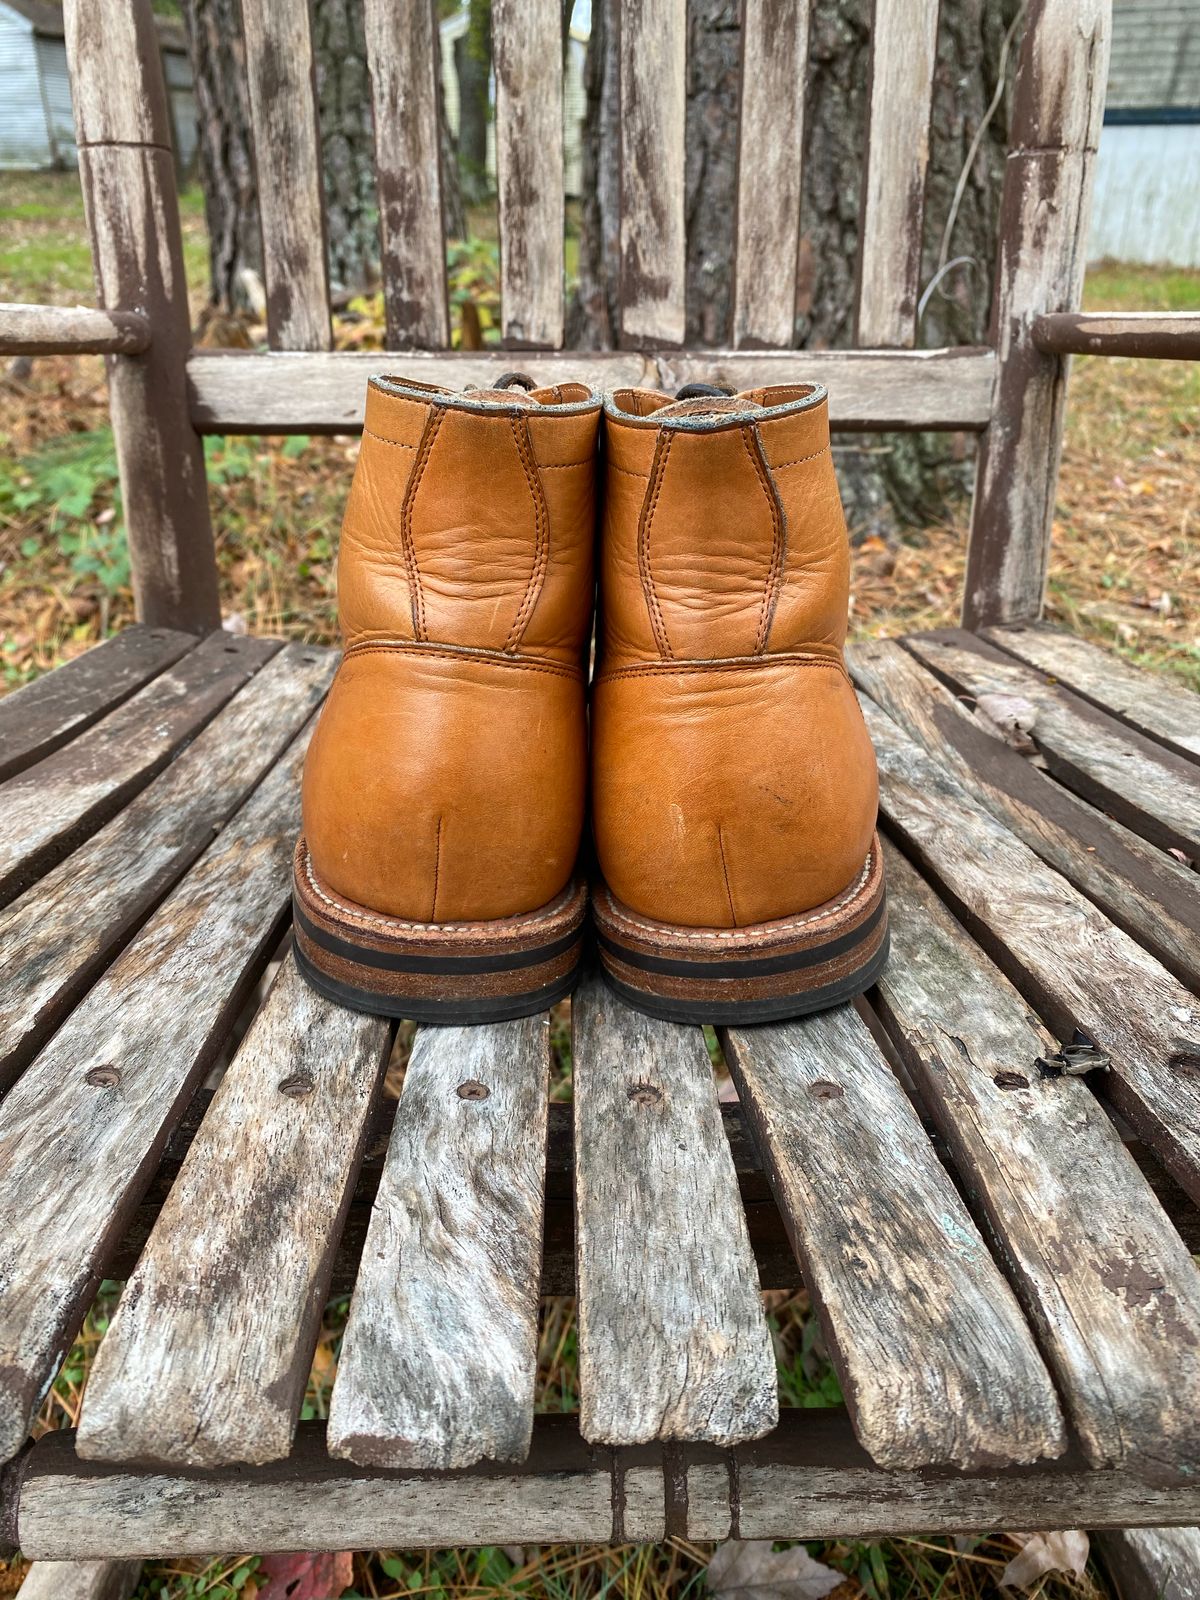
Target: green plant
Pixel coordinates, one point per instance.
(473, 278)
(71, 486)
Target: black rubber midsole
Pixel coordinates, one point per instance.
(484, 1008)
(389, 961)
(745, 966)
(775, 1008)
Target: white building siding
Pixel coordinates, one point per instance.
(56, 93)
(24, 141)
(1146, 206)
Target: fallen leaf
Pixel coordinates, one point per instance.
(1045, 1552)
(1010, 716)
(312, 1575)
(751, 1570)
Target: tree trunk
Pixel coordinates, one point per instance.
(473, 64)
(347, 143)
(913, 477)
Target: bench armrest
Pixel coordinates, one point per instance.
(71, 330)
(1161, 335)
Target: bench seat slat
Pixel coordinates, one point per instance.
(81, 1131)
(935, 1359)
(439, 1358)
(1103, 1275)
(57, 936)
(207, 1359)
(1061, 951)
(527, 50)
(672, 1339)
(39, 718)
(1145, 786)
(1141, 888)
(1152, 702)
(50, 807)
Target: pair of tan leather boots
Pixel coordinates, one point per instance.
(737, 876)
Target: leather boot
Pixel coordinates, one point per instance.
(444, 789)
(734, 784)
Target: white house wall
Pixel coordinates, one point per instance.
(24, 141)
(1146, 206)
(56, 92)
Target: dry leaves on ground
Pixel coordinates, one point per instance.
(751, 1570)
(1045, 1552)
(321, 1575)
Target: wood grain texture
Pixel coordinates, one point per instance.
(806, 1480)
(1076, 967)
(770, 156)
(1107, 1283)
(40, 717)
(672, 1339)
(947, 1376)
(1148, 335)
(118, 95)
(80, 1580)
(207, 1359)
(1150, 789)
(527, 52)
(50, 807)
(1151, 702)
(1153, 1563)
(1045, 208)
(56, 938)
(70, 330)
(236, 392)
(454, 1247)
(652, 48)
(903, 54)
(283, 111)
(81, 1131)
(402, 54)
(1145, 891)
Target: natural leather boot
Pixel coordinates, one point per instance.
(734, 785)
(444, 789)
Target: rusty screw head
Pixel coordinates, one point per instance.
(822, 1089)
(297, 1086)
(472, 1089)
(104, 1077)
(644, 1094)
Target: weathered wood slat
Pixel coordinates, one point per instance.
(285, 392)
(1151, 702)
(118, 95)
(527, 50)
(903, 52)
(1145, 891)
(50, 807)
(770, 154)
(80, 1580)
(1153, 1563)
(207, 1359)
(82, 1130)
(1152, 790)
(949, 1375)
(672, 1339)
(453, 1248)
(1058, 107)
(652, 45)
(70, 330)
(42, 716)
(806, 1480)
(1153, 335)
(1106, 1281)
(1059, 949)
(402, 54)
(287, 155)
(58, 935)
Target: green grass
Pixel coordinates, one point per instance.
(1117, 286)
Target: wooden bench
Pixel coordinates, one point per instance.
(986, 1176)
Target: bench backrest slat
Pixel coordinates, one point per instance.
(283, 107)
(770, 167)
(903, 52)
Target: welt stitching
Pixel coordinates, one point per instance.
(753, 443)
(658, 472)
(397, 444)
(416, 598)
(463, 656)
(520, 433)
(777, 466)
